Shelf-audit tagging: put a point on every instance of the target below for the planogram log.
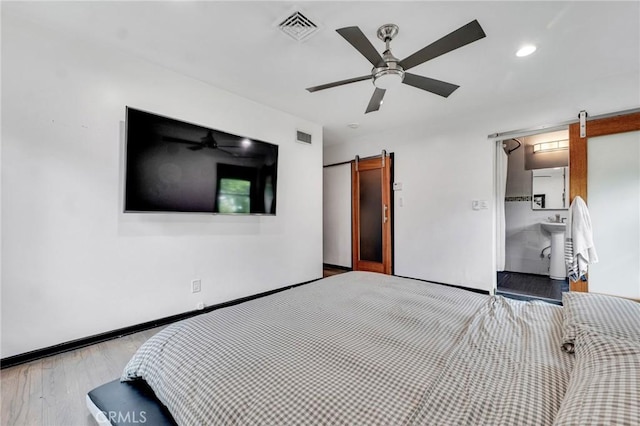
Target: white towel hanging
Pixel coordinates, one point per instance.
(579, 249)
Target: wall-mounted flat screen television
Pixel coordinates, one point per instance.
(173, 166)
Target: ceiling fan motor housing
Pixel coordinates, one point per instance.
(390, 73)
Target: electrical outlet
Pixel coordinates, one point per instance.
(196, 286)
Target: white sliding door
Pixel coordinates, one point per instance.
(614, 205)
(337, 215)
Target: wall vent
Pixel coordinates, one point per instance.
(298, 27)
(303, 137)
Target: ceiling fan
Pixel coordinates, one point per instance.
(388, 71)
(207, 141)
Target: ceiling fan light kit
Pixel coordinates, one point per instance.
(389, 72)
(388, 78)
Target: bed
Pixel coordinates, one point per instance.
(366, 348)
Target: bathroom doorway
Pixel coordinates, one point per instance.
(536, 202)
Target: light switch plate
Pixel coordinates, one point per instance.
(479, 205)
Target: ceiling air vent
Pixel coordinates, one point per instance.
(298, 27)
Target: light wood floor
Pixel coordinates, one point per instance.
(328, 271)
(52, 390)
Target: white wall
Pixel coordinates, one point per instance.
(73, 264)
(432, 226)
(337, 215)
(445, 167)
(614, 205)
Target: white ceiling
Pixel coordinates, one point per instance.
(238, 47)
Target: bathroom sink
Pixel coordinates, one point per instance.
(553, 227)
(557, 269)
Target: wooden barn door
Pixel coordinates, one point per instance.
(599, 131)
(371, 214)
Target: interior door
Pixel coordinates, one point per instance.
(371, 214)
(579, 164)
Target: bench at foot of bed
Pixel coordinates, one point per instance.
(127, 404)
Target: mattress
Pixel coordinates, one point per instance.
(361, 348)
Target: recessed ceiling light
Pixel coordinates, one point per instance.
(526, 50)
(246, 142)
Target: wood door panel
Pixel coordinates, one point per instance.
(371, 215)
(578, 164)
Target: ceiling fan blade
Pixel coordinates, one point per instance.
(458, 38)
(438, 87)
(172, 139)
(376, 100)
(338, 83)
(357, 39)
(233, 154)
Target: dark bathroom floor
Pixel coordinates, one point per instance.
(530, 286)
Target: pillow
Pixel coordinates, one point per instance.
(607, 315)
(604, 387)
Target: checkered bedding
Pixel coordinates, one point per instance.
(362, 349)
(608, 315)
(605, 384)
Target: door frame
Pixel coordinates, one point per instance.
(344, 222)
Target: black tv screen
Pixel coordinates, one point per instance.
(173, 166)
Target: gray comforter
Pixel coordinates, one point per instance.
(361, 349)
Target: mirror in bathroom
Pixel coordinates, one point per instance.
(550, 188)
